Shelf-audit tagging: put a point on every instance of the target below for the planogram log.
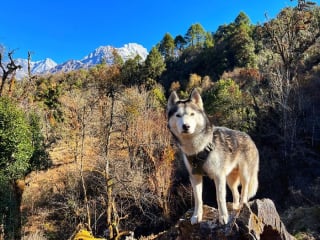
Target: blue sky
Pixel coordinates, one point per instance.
(69, 29)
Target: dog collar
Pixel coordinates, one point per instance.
(197, 160)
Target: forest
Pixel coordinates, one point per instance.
(91, 149)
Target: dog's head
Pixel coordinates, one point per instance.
(186, 117)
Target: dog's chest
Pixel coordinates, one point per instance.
(197, 161)
(194, 145)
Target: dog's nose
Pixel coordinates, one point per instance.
(185, 127)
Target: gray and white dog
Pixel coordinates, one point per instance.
(226, 156)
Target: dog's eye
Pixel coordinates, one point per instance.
(192, 114)
(178, 115)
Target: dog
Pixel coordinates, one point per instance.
(229, 157)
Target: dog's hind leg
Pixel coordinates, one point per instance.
(245, 181)
(233, 181)
(196, 182)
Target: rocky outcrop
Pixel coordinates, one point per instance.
(258, 219)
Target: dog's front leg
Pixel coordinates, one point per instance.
(220, 183)
(196, 182)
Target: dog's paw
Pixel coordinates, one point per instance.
(236, 206)
(223, 219)
(195, 219)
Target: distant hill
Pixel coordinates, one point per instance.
(101, 53)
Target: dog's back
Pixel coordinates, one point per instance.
(235, 150)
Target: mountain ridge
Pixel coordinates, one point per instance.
(101, 53)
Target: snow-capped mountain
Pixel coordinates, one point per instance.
(43, 66)
(105, 53)
(67, 66)
(37, 67)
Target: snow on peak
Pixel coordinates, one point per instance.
(43, 66)
(100, 54)
(131, 50)
(105, 53)
(37, 67)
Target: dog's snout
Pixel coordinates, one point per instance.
(185, 127)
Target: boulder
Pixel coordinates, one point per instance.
(258, 219)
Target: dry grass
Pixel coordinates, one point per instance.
(53, 201)
(37, 235)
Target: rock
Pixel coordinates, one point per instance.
(258, 219)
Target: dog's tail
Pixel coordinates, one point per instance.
(253, 185)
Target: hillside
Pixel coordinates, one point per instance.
(90, 147)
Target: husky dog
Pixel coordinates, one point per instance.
(226, 156)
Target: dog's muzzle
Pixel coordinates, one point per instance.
(185, 128)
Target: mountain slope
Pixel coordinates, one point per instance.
(102, 53)
(37, 67)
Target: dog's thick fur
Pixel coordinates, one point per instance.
(232, 157)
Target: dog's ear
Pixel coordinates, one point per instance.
(172, 100)
(195, 97)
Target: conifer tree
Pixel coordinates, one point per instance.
(166, 46)
(196, 35)
(208, 40)
(241, 42)
(179, 43)
(154, 65)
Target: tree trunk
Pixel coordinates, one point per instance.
(109, 183)
(12, 228)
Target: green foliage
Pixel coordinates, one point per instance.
(16, 149)
(16, 141)
(48, 91)
(131, 73)
(208, 40)
(196, 35)
(154, 64)
(167, 46)
(229, 107)
(235, 44)
(179, 42)
(242, 19)
(241, 42)
(40, 159)
(158, 97)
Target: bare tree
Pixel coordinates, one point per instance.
(29, 64)
(289, 37)
(7, 71)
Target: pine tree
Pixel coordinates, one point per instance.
(154, 64)
(196, 35)
(235, 44)
(208, 40)
(241, 42)
(179, 43)
(166, 46)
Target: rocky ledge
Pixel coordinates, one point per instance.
(258, 219)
